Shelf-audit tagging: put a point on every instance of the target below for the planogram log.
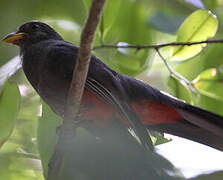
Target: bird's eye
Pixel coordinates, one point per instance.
(35, 26)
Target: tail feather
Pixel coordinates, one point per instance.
(191, 132)
(202, 118)
(195, 123)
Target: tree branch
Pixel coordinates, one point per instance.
(177, 75)
(157, 47)
(67, 130)
(139, 47)
(81, 67)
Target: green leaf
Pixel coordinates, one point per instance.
(199, 26)
(131, 61)
(47, 137)
(56, 9)
(131, 29)
(213, 4)
(210, 83)
(179, 89)
(9, 105)
(9, 69)
(165, 22)
(158, 139)
(111, 7)
(15, 167)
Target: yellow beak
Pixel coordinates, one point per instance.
(14, 38)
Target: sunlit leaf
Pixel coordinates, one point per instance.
(13, 167)
(9, 69)
(210, 83)
(159, 139)
(9, 105)
(199, 26)
(19, 158)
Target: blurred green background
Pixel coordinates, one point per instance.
(124, 22)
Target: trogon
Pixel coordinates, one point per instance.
(110, 99)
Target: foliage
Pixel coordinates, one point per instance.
(194, 29)
(124, 22)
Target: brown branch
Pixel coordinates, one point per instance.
(177, 75)
(209, 41)
(157, 47)
(81, 67)
(66, 131)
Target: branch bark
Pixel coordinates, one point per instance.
(67, 131)
(139, 47)
(81, 68)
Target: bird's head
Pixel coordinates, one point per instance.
(31, 33)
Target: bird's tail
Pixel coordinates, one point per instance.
(196, 124)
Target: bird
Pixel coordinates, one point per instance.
(112, 103)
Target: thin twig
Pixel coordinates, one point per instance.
(66, 131)
(177, 75)
(158, 46)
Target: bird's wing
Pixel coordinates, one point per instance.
(101, 80)
(124, 94)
